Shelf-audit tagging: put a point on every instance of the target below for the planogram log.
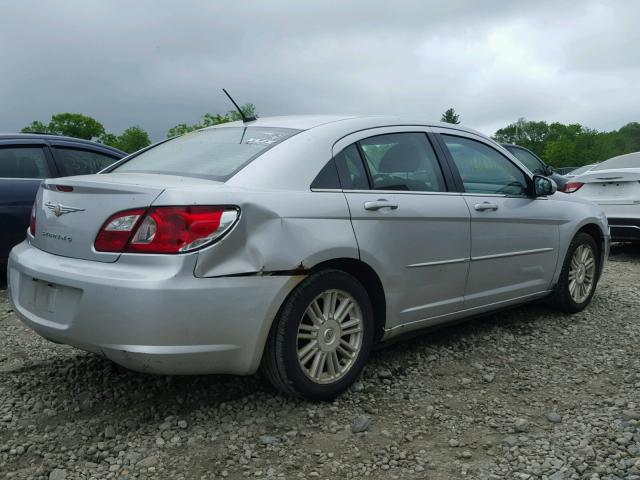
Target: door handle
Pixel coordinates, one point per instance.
(380, 203)
(481, 207)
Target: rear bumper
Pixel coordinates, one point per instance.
(147, 314)
(625, 229)
(623, 219)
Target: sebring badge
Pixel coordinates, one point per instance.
(60, 209)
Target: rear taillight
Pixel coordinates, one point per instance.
(32, 222)
(117, 230)
(572, 187)
(164, 229)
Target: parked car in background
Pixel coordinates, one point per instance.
(25, 160)
(579, 171)
(535, 164)
(615, 186)
(296, 244)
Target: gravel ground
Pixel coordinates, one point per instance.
(522, 394)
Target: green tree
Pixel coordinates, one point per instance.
(563, 145)
(76, 125)
(561, 153)
(572, 145)
(209, 120)
(248, 109)
(81, 126)
(69, 124)
(36, 127)
(628, 138)
(110, 139)
(450, 116)
(131, 140)
(532, 135)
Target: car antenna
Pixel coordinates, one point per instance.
(245, 119)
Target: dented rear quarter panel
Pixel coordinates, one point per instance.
(275, 232)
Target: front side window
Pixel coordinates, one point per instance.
(23, 162)
(483, 169)
(533, 164)
(216, 153)
(402, 161)
(74, 161)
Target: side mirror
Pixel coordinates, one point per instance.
(550, 170)
(543, 186)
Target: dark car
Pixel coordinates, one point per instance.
(27, 159)
(535, 164)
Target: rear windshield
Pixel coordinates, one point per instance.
(217, 153)
(581, 170)
(630, 160)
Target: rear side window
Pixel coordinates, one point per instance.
(23, 162)
(74, 161)
(353, 176)
(483, 169)
(216, 154)
(327, 178)
(403, 161)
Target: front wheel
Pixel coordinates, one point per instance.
(579, 276)
(322, 337)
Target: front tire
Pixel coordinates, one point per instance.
(321, 338)
(579, 276)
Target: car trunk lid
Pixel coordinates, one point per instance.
(70, 211)
(611, 187)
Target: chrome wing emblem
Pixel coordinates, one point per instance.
(60, 209)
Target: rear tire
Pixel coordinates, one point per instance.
(579, 276)
(321, 338)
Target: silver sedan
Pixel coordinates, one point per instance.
(295, 244)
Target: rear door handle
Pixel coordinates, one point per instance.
(380, 203)
(481, 207)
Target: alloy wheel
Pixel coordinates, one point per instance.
(582, 272)
(329, 336)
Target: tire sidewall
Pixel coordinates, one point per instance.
(292, 315)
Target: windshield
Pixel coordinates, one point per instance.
(216, 153)
(529, 160)
(630, 160)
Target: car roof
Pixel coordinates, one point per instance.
(350, 122)
(59, 138)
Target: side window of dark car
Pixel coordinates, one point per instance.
(74, 161)
(23, 162)
(528, 160)
(403, 161)
(483, 169)
(353, 176)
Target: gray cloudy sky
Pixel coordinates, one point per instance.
(159, 63)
